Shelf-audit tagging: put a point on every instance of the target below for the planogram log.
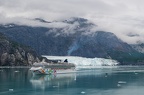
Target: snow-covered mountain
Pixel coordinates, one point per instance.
(138, 47)
(75, 37)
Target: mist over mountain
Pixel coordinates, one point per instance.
(79, 37)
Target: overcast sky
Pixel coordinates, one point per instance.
(122, 17)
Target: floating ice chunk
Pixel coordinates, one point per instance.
(106, 74)
(16, 71)
(121, 82)
(10, 89)
(118, 85)
(82, 92)
(55, 86)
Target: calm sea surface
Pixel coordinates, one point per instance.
(92, 81)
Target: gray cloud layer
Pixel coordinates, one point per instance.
(122, 17)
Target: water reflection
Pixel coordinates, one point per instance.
(109, 78)
(115, 81)
(55, 81)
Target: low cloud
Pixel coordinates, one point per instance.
(122, 17)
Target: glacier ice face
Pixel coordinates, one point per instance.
(82, 61)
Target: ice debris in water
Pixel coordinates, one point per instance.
(83, 92)
(118, 85)
(106, 74)
(55, 86)
(121, 82)
(10, 89)
(16, 71)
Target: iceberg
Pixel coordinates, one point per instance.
(82, 61)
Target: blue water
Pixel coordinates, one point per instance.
(90, 81)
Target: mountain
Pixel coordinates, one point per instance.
(14, 54)
(138, 47)
(77, 38)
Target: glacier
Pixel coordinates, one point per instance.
(83, 61)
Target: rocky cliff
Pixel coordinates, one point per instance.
(14, 54)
